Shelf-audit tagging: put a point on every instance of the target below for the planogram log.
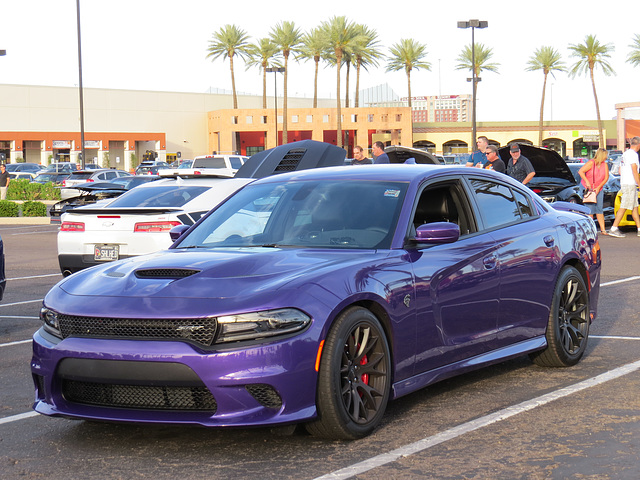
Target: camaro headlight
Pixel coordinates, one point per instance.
(250, 326)
(50, 319)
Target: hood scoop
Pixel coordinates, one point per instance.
(167, 273)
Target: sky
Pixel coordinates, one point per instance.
(162, 45)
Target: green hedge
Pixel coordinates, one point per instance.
(28, 208)
(25, 190)
(8, 209)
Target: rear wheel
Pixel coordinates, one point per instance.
(354, 377)
(568, 327)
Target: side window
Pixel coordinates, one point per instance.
(444, 203)
(525, 206)
(496, 202)
(110, 175)
(236, 162)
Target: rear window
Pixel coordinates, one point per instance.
(80, 175)
(158, 196)
(213, 162)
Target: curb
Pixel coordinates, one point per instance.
(25, 221)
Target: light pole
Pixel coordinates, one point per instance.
(80, 85)
(275, 94)
(473, 24)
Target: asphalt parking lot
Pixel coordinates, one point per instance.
(514, 420)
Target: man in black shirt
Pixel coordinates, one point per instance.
(494, 162)
(4, 181)
(519, 167)
(359, 157)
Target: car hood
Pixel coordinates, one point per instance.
(400, 154)
(207, 274)
(546, 162)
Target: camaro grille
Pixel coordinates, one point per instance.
(150, 397)
(201, 331)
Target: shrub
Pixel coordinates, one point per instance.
(8, 209)
(25, 190)
(34, 209)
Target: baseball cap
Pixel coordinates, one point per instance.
(515, 147)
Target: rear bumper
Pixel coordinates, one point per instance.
(74, 263)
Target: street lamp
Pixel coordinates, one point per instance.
(80, 84)
(473, 24)
(275, 93)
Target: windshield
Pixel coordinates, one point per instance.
(158, 196)
(326, 214)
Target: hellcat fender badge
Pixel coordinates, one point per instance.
(407, 300)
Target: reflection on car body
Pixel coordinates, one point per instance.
(350, 287)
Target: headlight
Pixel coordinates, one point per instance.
(50, 319)
(249, 326)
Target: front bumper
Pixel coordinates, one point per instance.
(175, 382)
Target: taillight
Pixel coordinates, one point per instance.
(90, 180)
(72, 227)
(155, 226)
(64, 183)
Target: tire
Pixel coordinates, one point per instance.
(354, 378)
(568, 327)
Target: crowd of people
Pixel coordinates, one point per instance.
(594, 175)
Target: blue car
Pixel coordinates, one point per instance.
(346, 288)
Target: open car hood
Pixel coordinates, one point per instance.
(92, 187)
(546, 162)
(291, 157)
(400, 154)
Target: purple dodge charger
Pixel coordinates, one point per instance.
(317, 296)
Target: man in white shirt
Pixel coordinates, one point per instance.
(629, 181)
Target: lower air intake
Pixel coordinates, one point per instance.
(266, 395)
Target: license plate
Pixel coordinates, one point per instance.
(105, 253)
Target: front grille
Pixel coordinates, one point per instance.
(290, 161)
(266, 395)
(201, 331)
(165, 273)
(148, 397)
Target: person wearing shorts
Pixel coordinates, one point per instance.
(629, 181)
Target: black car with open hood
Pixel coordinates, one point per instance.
(554, 180)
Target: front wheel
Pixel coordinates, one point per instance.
(354, 377)
(568, 327)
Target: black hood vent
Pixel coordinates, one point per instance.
(174, 273)
(290, 161)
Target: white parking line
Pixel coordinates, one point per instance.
(19, 342)
(35, 276)
(622, 280)
(20, 416)
(452, 433)
(20, 303)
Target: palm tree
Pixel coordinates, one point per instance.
(481, 55)
(229, 41)
(591, 54)
(287, 38)
(634, 56)
(548, 60)
(313, 45)
(407, 55)
(366, 53)
(263, 54)
(338, 32)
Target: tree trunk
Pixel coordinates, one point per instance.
(346, 87)
(264, 86)
(285, 136)
(233, 84)
(315, 82)
(595, 96)
(357, 102)
(408, 70)
(544, 89)
(338, 106)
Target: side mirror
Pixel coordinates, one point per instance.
(437, 233)
(176, 232)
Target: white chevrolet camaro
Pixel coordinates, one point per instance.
(137, 222)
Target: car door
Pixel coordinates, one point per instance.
(526, 256)
(457, 284)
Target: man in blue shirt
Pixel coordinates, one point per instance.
(479, 158)
(378, 152)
